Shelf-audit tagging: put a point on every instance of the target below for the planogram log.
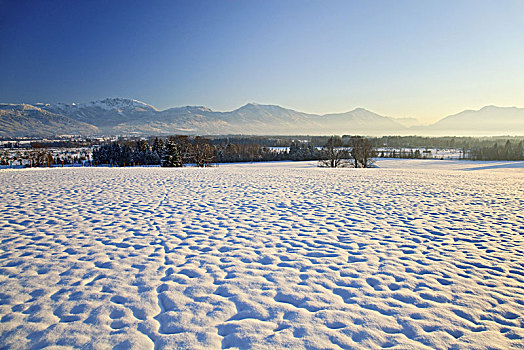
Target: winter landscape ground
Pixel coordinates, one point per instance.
(410, 255)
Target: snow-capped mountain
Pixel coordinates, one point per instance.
(119, 116)
(122, 116)
(363, 121)
(104, 113)
(108, 104)
(20, 120)
(254, 118)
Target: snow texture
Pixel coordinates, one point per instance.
(411, 255)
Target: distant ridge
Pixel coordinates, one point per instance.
(121, 116)
(23, 120)
(496, 120)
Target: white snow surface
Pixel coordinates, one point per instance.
(410, 255)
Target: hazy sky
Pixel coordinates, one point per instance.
(424, 59)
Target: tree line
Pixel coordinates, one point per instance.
(510, 151)
(178, 151)
(43, 157)
(335, 151)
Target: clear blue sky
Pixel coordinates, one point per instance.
(423, 59)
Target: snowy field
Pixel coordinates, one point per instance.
(416, 254)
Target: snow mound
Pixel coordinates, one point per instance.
(261, 257)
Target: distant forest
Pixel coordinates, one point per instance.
(180, 150)
(176, 151)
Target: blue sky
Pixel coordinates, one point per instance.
(424, 59)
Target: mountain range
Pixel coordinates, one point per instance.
(120, 116)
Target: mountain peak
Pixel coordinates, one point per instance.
(354, 112)
(114, 103)
(489, 120)
(497, 108)
(251, 105)
(259, 106)
(119, 103)
(198, 108)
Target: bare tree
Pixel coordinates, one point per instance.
(361, 152)
(203, 152)
(334, 153)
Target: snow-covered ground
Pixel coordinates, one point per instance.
(413, 254)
